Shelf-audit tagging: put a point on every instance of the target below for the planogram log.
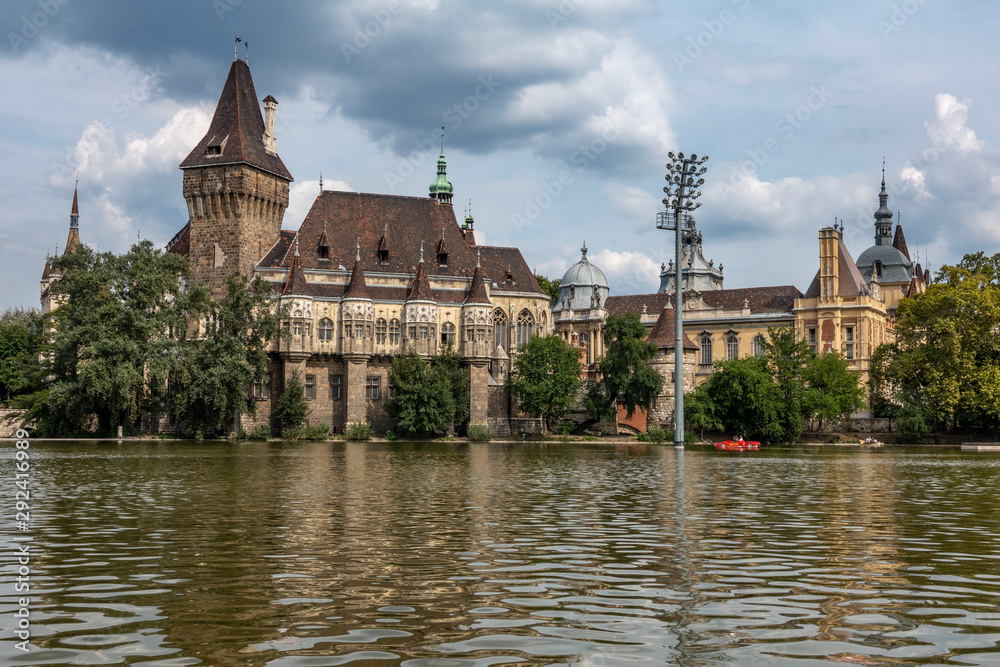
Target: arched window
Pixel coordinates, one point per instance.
(525, 327)
(500, 328)
(325, 329)
(394, 332)
(447, 333)
(381, 331)
(732, 346)
(758, 346)
(706, 350)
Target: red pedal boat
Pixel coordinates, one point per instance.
(738, 445)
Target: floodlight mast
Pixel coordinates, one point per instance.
(684, 177)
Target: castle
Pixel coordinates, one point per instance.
(366, 277)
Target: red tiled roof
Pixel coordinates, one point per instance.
(296, 285)
(664, 334)
(851, 282)
(776, 299)
(633, 303)
(357, 288)
(478, 292)
(421, 288)
(237, 122)
(899, 241)
(181, 243)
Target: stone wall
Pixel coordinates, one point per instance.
(8, 428)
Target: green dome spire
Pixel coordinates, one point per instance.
(441, 188)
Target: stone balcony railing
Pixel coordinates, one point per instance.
(356, 346)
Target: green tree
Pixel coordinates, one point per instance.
(116, 335)
(624, 374)
(550, 287)
(449, 362)
(20, 340)
(422, 400)
(787, 358)
(832, 391)
(292, 408)
(545, 377)
(745, 398)
(699, 411)
(945, 363)
(214, 377)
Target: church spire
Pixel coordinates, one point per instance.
(883, 216)
(441, 188)
(73, 239)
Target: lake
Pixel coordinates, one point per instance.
(471, 555)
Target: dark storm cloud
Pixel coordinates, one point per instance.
(399, 69)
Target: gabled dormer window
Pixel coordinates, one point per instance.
(216, 147)
(383, 256)
(442, 259)
(323, 252)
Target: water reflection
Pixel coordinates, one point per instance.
(460, 555)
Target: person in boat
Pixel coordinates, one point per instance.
(739, 439)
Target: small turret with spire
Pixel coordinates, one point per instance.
(441, 188)
(883, 216)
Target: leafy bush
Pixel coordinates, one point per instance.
(292, 408)
(391, 436)
(359, 431)
(656, 434)
(258, 434)
(912, 424)
(479, 433)
(313, 432)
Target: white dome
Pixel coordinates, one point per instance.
(584, 274)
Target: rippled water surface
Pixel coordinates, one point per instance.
(454, 555)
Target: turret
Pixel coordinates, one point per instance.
(441, 188)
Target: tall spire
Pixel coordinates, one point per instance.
(441, 188)
(73, 239)
(883, 216)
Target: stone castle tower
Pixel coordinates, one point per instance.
(235, 185)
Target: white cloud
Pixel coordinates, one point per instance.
(950, 124)
(628, 272)
(301, 198)
(96, 154)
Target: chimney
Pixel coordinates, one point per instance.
(270, 106)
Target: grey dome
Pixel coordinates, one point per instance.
(895, 267)
(583, 273)
(582, 287)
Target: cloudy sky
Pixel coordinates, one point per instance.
(558, 117)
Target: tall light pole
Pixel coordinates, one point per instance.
(684, 177)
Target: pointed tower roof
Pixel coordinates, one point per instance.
(357, 288)
(47, 271)
(441, 188)
(237, 130)
(899, 240)
(478, 293)
(421, 289)
(296, 284)
(73, 239)
(663, 334)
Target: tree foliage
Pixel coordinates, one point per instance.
(550, 287)
(213, 378)
(769, 398)
(117, 333)
(292, 408)
(423, 400)
(545, 377)
(20, 340)
(624, 374)
(945, 364)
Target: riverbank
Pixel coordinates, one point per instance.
(808, 440)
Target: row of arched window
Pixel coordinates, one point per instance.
(388, 332)
(732, 343)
